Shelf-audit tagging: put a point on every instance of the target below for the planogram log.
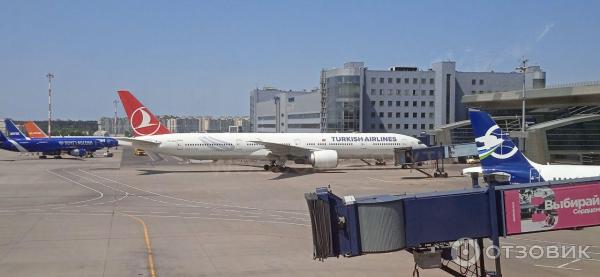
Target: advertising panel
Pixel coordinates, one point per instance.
(551, 208)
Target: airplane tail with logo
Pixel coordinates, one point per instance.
(498, 153)
(141, 119)
(13, 131)
(34, 131)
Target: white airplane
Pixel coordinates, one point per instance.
(321, 150)
(498, 153)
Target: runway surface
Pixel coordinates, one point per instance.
(139, 216)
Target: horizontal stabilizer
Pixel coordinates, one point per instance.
(140, 143)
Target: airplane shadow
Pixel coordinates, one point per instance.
(291, 173)
(155, 172)
(426, 177)
(297, 172)
(103, 168)
(50, 159)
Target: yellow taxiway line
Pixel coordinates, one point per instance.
(148, 244)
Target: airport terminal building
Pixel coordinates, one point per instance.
(404, 100)
(563, 122)
(277, 111)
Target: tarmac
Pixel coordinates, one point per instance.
(143, 216)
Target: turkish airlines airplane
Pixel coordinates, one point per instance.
(321, 150)
(498, 153)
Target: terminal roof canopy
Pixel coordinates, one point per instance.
(536, 98)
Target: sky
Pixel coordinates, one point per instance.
(204, 57)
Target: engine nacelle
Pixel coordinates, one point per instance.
(77, 152)
(324, 159)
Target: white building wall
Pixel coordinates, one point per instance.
(295, 111)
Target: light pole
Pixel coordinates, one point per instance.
(523, 69)
(49, 76)
(116, 102)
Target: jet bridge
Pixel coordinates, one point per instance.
(429, 225)
(414, 157)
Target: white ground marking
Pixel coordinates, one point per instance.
(100, 194)
(380, 180)
(562, 266)
(168, 216)
(192, 201)
(553, 242)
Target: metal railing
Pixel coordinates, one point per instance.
(574, 84)
(580, 110)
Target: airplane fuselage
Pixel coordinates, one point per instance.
(56, 145)
(550, 172)
(217, 146)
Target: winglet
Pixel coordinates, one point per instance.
(141, 119)
(34, 131)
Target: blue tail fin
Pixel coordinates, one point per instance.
(13, 131)
(497, 152)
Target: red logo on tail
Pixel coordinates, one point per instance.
(142, 121)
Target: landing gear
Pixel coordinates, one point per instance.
(440, 174)
(276, 166)
(280, 168)
(379, 162)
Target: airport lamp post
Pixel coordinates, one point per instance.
(116, 102)
(50, 76)
(523, 69)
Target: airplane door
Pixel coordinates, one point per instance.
(179, 144)
(297, 142)
(534, 175)
(239, 144)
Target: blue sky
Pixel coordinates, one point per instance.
(203, 57)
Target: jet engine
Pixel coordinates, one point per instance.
(77, 152)
(324, 159)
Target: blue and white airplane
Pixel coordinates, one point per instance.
(55, 146)
(498, 153)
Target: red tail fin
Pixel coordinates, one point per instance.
(34, 131)
(143, 122)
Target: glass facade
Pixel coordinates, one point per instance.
(583, 136)
(342, 100)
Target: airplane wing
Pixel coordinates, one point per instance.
(285, 150)
(139, 142)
